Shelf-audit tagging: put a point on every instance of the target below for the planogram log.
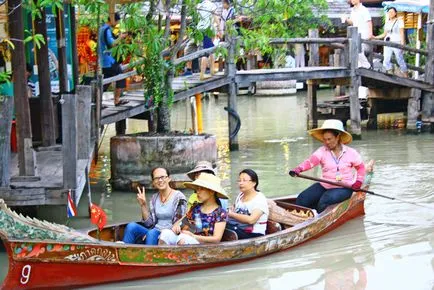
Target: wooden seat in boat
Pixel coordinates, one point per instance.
(229, 235)
(272, 227)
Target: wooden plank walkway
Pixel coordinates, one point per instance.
(371, 78)
(187, 86)
(183, 87)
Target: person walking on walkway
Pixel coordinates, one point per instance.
(110, 67)
(393, 32)
(339, 163)
(361, 18)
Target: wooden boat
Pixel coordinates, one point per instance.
(47, 255)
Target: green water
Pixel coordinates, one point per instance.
(391, 247)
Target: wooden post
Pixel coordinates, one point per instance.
(6, 109)
(429, 67)
(354, 43)
(69, 138)
(61, 50)
(47, 112)
(230, 72)
(93, 97)
(73, 46)
(413, 109)
(193, 115)
(83, 121)
(121, 127)
(312, 115)
(198, 98)
(339, 61)
(26, 155)
(313, 48)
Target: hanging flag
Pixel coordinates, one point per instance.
(97, 216)
(71, 210)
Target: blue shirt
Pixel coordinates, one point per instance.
(105, 55)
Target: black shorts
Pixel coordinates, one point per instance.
(112, 71)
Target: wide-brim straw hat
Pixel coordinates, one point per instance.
(331, 124)
(201, 166)
(208, 181)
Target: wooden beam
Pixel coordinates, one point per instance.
(304, 73)
(119, 77)
(207, 86)
(69, 134)
(26, 156)
(395, 45)
(313, 48)
(200, 53)
(6, 109)
(392, 79)
(84, 94)
(310, 40)
(47, 111)
(354, 37)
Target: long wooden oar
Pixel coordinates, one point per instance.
(363, 190)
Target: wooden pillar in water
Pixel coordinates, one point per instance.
(26, 155)
(6, 109)
(69, 139)
(429, 66)
(354, 43)
(312, 86)
(47, 111)
(230, 72)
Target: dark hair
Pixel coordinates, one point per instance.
(117, 17)
(392, 8)
(155, 168)
(252, 174)
(229, 2)
(333, 131)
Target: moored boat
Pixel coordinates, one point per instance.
(47, 255)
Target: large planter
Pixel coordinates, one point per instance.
(134, 156)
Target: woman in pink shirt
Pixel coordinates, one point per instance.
(339, 163)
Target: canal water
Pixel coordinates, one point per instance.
(391, 247)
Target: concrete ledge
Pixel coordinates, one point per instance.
(134, 156)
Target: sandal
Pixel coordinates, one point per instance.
(121, 102)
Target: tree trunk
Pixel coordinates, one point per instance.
(163, 123)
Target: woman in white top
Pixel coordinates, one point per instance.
(394, 32)
(248, 218)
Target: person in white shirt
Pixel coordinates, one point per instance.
(393, 32)
(208, 20)
(361, 18)
(248, 217)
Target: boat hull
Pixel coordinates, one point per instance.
(41, 264)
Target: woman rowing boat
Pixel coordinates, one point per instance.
(339, 163)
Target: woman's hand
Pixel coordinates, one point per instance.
(176, 228)
(141, 198)
(231, 211)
